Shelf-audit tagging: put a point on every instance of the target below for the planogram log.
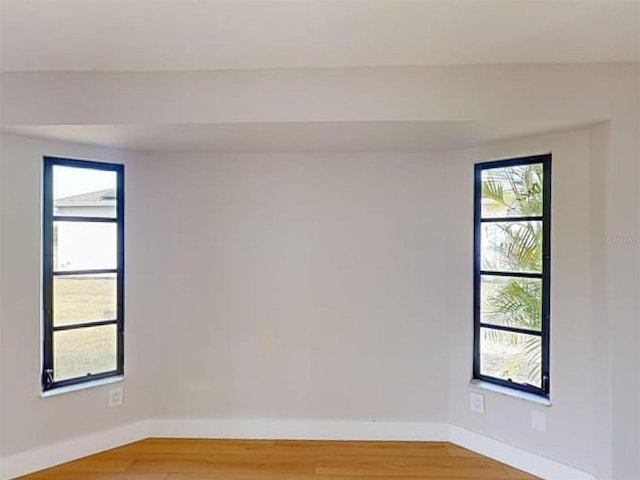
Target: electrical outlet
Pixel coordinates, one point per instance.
(538, 421)
(476, 402)
(116, 396)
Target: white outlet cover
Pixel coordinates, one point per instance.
(476, 402)
(116, 396)
(538, 421)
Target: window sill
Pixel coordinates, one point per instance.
(82, 386)
(509, 392)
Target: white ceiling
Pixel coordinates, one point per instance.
(145, 35)
(292, 137)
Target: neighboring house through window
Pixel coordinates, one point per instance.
(512, 273)
(83, 271)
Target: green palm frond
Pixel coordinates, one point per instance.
(532, 353)
(515, 246)
(516, 303)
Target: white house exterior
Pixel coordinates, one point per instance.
(80, 245)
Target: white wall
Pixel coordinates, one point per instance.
(571, 436)
(28, 421)
(304, 286)
(301, 286)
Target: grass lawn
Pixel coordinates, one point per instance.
(86, 350)
(79, 299)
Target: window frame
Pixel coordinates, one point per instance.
(544, 276)
(48, 272)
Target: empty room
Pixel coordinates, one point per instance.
(319, 239)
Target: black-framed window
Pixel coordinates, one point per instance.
(83, 271)
(512, 258)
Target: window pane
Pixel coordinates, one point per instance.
(84, 246)
(84, 298)
(512, 191)
(511, 356)
(511, 246)
(511, 301)
(77, 353)
(84, 192)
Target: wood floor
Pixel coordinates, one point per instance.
(171, 459)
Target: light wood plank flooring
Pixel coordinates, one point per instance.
(181, 459)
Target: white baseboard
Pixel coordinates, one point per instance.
(299, 430)
(44, 457)
(503, 452)
(48, 456)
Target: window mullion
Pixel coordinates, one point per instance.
(504, 328)
(514, 219)
(87, 219)
(74, 326)
(506, 273)
(61, 273)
